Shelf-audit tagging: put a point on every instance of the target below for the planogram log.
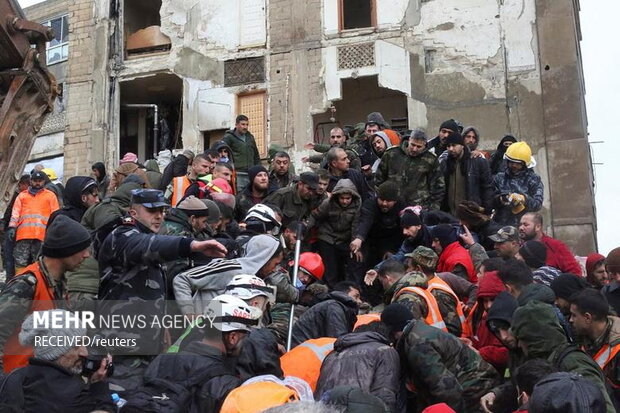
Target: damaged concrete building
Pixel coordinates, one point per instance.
(147, 74)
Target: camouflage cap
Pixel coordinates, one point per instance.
(424, 256)
(505, 234)
(148, 198)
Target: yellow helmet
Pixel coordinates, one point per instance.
(50, 173)
(519, 152)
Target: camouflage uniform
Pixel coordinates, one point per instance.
(526, 183)
(412, 301)
(292, 206)
(478, 255)
(443, 369)
(419, 177)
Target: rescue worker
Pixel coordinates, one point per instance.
(305, 360)
(29, 218)
(441, 367)
(295, 202)
(179, 186)
(507, 242)
(40, 286)
(177, 167)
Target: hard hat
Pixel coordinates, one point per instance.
(246, 287)
(266, 216)
(519, 152)
(312, 263)
(50, 173)
(228, 313)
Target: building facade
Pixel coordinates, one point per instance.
(144, 75)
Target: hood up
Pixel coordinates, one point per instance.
(536, 324)
(259, 250)
(345, 186)
(152, 165)
(73, 191)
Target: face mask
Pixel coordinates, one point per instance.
(224, 159)
(299, 285)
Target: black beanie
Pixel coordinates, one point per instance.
(388, 191)
(64, 237)
(445, 233)
(454, 138)
(450, 124)
(534, 253)
(503, 308)
(409, 219)
(396, 316)
(255, 170)
(565, 285)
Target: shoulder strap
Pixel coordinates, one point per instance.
(557, 362)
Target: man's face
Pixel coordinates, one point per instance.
(304, 277)
(345, 200)
(290, 238)
(270, 265)
(600, 275)
(224, 153)
(386, 281)
(507, 338)
(371, 130)
(443, 134)
(149, 217)
(222, 172)
(354, 293)
(304, 191)
(22, 186)
(242, 126)
(412, 231)
(336, 137)
(342, 162)
(233, 341)
(563, 304)
(515, 166)
(72, 262)
(470, 140)
(487, 302)
(507, 249)
(527, 228)
(580, 322)
(90, 198)
(202, 166)
(455, 150)
(37, 183)
(384, 205)
(379, 144)
(281, 165)
(198, 224)
(322, 186)
(73, 359)
(261, 181)
(259, 302)
(437, 246)
(416, 147)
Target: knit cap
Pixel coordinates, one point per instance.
(534, 253)
(255, 170)
(454, 138)
(449, 124)
(565, 285)
(64, 237)
(566, 392)
(193, 206)
(410, 219)
(388, 191)
(30, 331)
(445, 233)
(214, 211)
(397, 316)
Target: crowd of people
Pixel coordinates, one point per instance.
(397, 273)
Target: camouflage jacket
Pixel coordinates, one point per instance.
(292, 206)
(526, 183)
(443, 369)
(176, 223)
(418, 177)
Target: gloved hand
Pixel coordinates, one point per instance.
(516, 199)
(11, 233)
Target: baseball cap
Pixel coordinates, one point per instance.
(148, 198)
(38, 175)
(424, 256)
(505, 234)
(310, 178)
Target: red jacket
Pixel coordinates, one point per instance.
(455, 254)
(560, 256)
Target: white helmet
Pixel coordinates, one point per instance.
(228, 313)
(246, 287)
(264, 215)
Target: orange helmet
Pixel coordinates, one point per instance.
(312, 263)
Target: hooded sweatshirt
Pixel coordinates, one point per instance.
(388, 145)
(152, 173)
(74, 208)
(193, 289)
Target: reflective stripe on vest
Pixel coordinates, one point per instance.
(305, 360)
(433, 317)
(15, 355)
(179, 186)
(606, 354)
(366, 319)
(438, 284)
(320, 351)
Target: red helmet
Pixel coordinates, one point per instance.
(312, 263)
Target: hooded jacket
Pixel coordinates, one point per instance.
(74, 208)
(388, 145)
(110, 208)
(525, 182)
(365, 360)
(337, 225)
(536, 325)
(497, 159)
(333, 317)
(545, 294)
(216, 146)
(152, 173)
(193, 289)
(102, 182)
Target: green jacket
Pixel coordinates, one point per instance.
(536, 326)
(152, 173)
(245, 153)
(418, 177)
(444, 369)
(292, 206)
(110, 208)
(177, 223)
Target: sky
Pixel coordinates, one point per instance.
(601, 58)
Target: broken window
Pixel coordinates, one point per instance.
(58, 48)
(253, 106)
(143, 28)
(150, 115)
(357, 14)
(244, 71)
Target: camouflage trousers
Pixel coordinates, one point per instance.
(26, 252)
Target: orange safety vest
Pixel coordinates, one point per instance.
(606, 354)
(468, 326)
(433, 317)
(15, 355)
(437, 283)
(366, 319)
(179, 186)
(257, 397)
(31, 213)
(305, 360)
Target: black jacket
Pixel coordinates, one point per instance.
(333, 317)
(259, 355)
(365, 360)
(73, 208)
(43, 386)
(478, 179)
(378, 227)
(195, 360)
(177, 167)
(358, 179)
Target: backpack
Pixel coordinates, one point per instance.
(165, 396)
